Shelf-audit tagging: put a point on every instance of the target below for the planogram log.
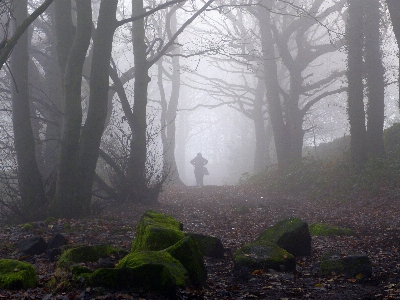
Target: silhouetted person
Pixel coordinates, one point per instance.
(199, 162)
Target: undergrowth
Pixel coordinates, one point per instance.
(332, 180)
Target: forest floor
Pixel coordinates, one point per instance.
(212, 210)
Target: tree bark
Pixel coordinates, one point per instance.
(170, 118)
(260, 155)
(29, 178)
(98, 102)
(7, 46)
(137, 159)
(355, 83)
(394, 10)
(375, 74)
(279, 129)
(66, 202)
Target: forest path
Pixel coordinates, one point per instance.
(236, 215)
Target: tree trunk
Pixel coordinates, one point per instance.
(279, 129)
(137, 160)
(173, 105)
(375, 79)
(394, 10)
(294, 118)
(355, 83)
(260, 155)
(29, 177)
(98, 102)
(66, 202)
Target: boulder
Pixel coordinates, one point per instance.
(208, 245)
(265, 255)
(57, 241)
(53, 254)
(33, 246)
(147, 277)
(146, 270)
(156, 231)
(81, 254)
(357, 265)
(54, 246)
(290, 234)
(15, 274)
(322, 229)
(175, 268)
(186, 251)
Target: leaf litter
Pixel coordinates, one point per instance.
(213, 210)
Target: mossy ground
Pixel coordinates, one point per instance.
(16, 274)
(322, 229)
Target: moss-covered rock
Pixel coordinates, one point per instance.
(322, 229)
(357, 265)
(263, 255)
(290, 234)
(81, 273)
(156, 231)
(15, 274)
(87, 254)
(147, 277)
(136, 259)
(188, 254)
(208, 245)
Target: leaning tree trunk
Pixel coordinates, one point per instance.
(355, 83)
(29, 177)
(375, 79)
(98, 102)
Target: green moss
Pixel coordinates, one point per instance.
(351, 266)
(322, 229)
(158, 219)
(188, 254)
(290, 234)
(79, 270)
(156, 231)
(275, 232)
(85, 254)
(27, 227)
(81, 274)
(264, 255)
(147, 277)
(50, 220)
(16, 274)
(136, 259)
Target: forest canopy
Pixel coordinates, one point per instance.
(108, 100)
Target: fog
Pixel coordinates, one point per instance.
(248, 84)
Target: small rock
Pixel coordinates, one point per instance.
(33, 246)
